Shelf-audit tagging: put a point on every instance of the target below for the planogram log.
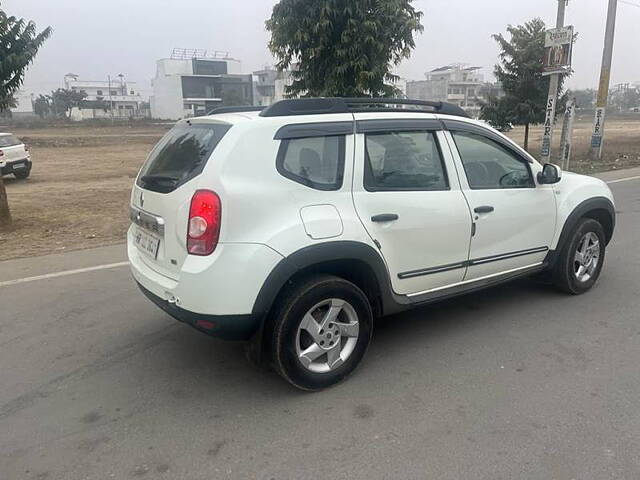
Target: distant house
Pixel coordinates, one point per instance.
(115, 97)
(194, 82)
(455, 83)
(24, 105)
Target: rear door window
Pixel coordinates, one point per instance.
(9, 141)
(403, 161)
(180, 156)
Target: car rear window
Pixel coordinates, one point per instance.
(180, 156)
(9, 141)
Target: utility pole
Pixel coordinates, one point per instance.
(552, 99)
(110, 101)
(567, 131)
(597, 137)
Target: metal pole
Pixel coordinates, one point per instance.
(597, 137)
(552, 99)
(110, 101)
(567, 130)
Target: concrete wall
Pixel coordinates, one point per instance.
(167, 103)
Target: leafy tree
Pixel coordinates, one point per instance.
(624, 99)
(584, 98)
(42, 106)
(520, 74)
(19, 43)
(343, 48)
(63, 100)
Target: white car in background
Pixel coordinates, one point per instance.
(14, 156)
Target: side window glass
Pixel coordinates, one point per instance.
(317, 162)
(403, 161)
(488, 165)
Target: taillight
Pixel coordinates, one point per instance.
(204, 223)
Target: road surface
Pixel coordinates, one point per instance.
(514, 382)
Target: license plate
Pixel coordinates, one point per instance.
(19, 166)
(146, 242)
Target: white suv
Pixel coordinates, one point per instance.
(14, 156)
(296, 226)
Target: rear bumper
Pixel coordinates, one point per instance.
(14, 166)
(226, 327)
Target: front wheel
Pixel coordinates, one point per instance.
(321, 332)
(581, 258)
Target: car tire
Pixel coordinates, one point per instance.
(22, 175)
(581, 258)
(321, 330)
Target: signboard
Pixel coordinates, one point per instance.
(598, 126)
(548, 127)
(557, 50)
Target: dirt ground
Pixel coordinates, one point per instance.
(78, 193)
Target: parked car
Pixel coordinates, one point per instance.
(14, 156)
(294, 227)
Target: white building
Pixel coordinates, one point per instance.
(24, 105)
(115, 97)
(193, 82)
(453, 83)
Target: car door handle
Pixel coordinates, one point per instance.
(483, 209)
(385, 217)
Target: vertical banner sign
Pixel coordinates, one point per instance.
(598, 125)
(548, 127)
(567, 130)
(558, 44)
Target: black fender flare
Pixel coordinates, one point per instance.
(332, 251)
(580, 211)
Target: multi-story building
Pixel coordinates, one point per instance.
(193, 82)
(270, 85)
(454, 83)
(113, 97)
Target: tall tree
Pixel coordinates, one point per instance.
(19, 43)
(62, 101)
(520, 74)
(344, 48)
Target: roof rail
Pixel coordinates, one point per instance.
(313, 106)
(239, 109)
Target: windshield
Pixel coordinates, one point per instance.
(9, 141)
(180, 156)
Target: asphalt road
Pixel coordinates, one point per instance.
(514, 382)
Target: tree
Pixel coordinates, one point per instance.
(520, 74)
(584, 98)
(63, 101)
(343, 48)
(42, 106)
(19, 44)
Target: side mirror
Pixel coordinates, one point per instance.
(550, 174)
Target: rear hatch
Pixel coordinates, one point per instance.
(12, 149)
(162, 194)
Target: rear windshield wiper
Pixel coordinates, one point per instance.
(160, 179)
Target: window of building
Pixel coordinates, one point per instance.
(317, 162)
(114, 92)
(99, 92)
(489, 165)
(404, 161)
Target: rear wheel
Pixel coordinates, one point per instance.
(21, 175)
(321, 332)
(581, 258)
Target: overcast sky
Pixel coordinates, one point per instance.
(95, 38)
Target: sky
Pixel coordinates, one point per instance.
(94, 38)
